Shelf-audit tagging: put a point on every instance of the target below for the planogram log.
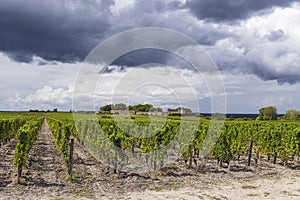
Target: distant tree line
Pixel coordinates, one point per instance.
(36, 110)
(54, 110)
(137, 108)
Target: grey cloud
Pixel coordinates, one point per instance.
(265, 73)
(143, 13)
(145, 56)
(276, 35)
(168, 14)
(141, 57)
(67, 30)
(175, 5)
(54, 30)
(252, 63)
(164, 14)
(231, 10)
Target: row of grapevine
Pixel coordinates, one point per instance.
(9, 127)
(155, 142)
(26, 135)
(62, 129)
(273, 139)
(108, 139)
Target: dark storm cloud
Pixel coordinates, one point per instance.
(228, 10)
(228, 62)
(141, 57)
(164, 14)
(263, 71)
(146, 56)
(168, 14)
(52, 29)
(67, 30)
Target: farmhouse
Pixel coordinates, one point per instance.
(177, 111)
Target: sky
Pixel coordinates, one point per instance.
(254, 45)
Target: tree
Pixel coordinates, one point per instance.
(141, 107)
(292, 115)
(119, 106)
(55, 110)
(106, 108)
(267, 113)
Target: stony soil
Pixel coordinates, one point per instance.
(6, 163)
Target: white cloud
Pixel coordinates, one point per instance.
(121, 5)
(248, 93)
(31, 85)
(44, 98)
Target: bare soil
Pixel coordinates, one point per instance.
(7, 152)
(45, 177)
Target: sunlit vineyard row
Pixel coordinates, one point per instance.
(117, 141)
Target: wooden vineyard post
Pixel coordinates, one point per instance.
(70, 167)
(147, 159)
(257, 157)
(155, 161)
(275, 158)
(190, 158)
(19, 173)
(250, 152)
(116, 162)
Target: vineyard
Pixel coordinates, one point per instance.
(118, 141)
(149, 144)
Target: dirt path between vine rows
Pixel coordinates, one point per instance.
(44, 171)
(45, 177)
(7, 152)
